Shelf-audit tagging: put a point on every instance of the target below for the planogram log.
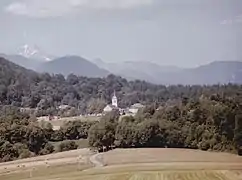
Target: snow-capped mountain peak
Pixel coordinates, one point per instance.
(27, 51)
(33, 52)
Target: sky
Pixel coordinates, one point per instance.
(183, 33)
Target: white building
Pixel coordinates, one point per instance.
(112, 106)
(135, 108)
(63, 107)
(109, 108)
(115, 100)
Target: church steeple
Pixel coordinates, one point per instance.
(114, 99)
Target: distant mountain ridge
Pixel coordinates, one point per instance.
(213, 73)
(217, 72)
(28, 63)
(73, 65)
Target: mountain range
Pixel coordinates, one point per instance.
(213, 73)
(72, 65)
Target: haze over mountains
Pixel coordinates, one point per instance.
(212, 73)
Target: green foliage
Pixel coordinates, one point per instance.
(20, 135)
(25, 154)
(205, 124)
(95, 106)
(48, 149)
(45, 92)
(66, 146)
(238, 130)
(73, 130)
(103, 133)
(7, 151)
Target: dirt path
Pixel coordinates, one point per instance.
(96, 160)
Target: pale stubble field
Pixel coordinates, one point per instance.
(131, 164)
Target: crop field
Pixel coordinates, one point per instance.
(132, 164)
(167, 155)
(166, 175)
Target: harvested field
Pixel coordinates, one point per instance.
(154, 155)
(135, 164)
(52, 160)
(166, 175)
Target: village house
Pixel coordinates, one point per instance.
(114, 106)
(135, 108)
(64, 107)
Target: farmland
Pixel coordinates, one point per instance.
(57, 123)
(130, 164)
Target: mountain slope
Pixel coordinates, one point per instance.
(213, 73)
(73, 65)
(23, 61)
(14, 81)
(216, 72)
(143, 70)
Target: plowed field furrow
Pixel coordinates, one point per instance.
(193, 175)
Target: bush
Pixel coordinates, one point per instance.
(23, 150)
(8, 152)
(57, 135)
(48, 149)
(204, 145)
(66, 146)
(25, 154)
(240, 151)
(7, 158)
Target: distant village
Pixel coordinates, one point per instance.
(132, 110)
(129, 111)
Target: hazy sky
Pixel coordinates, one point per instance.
(171, 32)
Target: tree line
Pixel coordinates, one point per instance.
(21, 136)
(209, 123)
(45, 92)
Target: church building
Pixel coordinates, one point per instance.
(113, 106)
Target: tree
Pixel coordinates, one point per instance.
(66, 146)
(36, 138)
(95, 106)
(102, 134)
(238, 130)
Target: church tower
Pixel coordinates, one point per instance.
(114, 100)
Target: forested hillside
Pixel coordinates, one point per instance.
(25, 88)
(204, 117)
